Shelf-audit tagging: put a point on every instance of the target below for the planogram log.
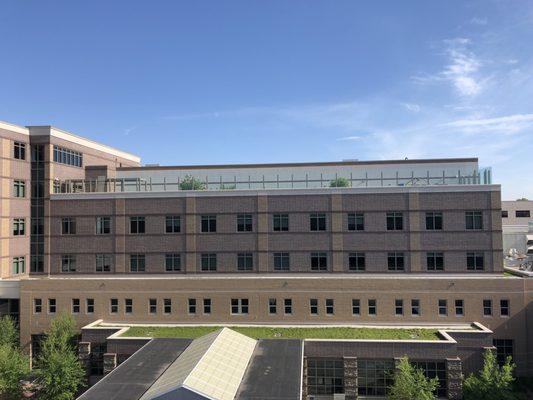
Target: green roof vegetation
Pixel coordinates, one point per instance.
(262, 332)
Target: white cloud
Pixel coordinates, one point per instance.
(506, 125)
(411, 107)
(350, 138)
(478, 21)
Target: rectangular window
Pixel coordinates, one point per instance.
(209, 223)
(37, 226)
(137, 262)
(375, 377)
(52, 306)
(68, 157)
(37, 306)
(522, 214)
(395, 261)
(433, 369)
(280, 222)
(89, 306)
(394, 221)
(207, 306)
(239, 306)
(104, 262)
(459, 308)
(244, 223)
(317, 222)
(19, 151)
(103, 225)
(128, 306)
(319, 261)
(443, 307)
(172, 262)
(68, 226)
(137, 225)
(209, 262)
(19, 265)
(504, 349)
(434, 221)
(474, 261)
(330, 306)
(272, 306)
(68, 263)
(415, 307)
(487, 307)
(282, 262)
(113, 306)
(75, 306)
(372, 307)
(398, 307)
(172, 224)
(505, 214)
(167, 306)
(356, 307)
(19, 227)
(474, 220)
(192, 306)
(504, 308)
(19, 188)
(152, 307)
(313, 306)
(245, 262)
(356, 261)
(324, 377)
(287, 306)
(356, 222)
(435, 261)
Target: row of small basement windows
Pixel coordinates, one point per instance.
(318, 261)
(518, 214)
(242, 305)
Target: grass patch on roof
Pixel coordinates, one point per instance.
(261, 332)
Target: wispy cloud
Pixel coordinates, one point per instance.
(505, 125)
(411, 107)
(478, 21)
(127, 131)
(350, 138)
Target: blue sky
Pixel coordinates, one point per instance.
(193, 82)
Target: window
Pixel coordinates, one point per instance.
(36, 263)
(37, 189)
(19, 188)
(504, 349)
(356, 261)
(356, 307)
(415, 307)
(209, 262)
(325, 377)
(330, 307)
(172, 262)
(19, 151)
(167, 306)
(245, 262)
(52, 305)
(474, 261)
(239, 306)
(104, 262)
(192, 306)
(19, 265)
(207, 306)
(395, 261)
(375, 377)
(319, 262)
(113, 306)
(37, 306)
(398, 307)
(137, 262)
(505, 214)
(152, 306)
(68, 263)
(372, 307)
(128, 306)
(287, 306)
(137, 225)
(280, 222)
(394, 221)
(68, 226)
(443, 307)
(173, 224)
(209, 223)
(75, 306)
(68, 157)
(103, 225)
(281, 262)
(19, 227)
(317, 222)
(504, 308)
(272, 306)
(522, 214)
(434, 221)
(356, 222)
(313, 306)
(37, 226)
(89, 306)
(244, 223)
(459, 308)
(435, 261)
(474, 220)
(433, 369)
(487, 307)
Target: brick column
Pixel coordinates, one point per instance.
(454, 376)
(84, 355)
(262, 233)
(414, 224)
(350, 378)
(121, 228)
(336, 228)
(110, 362)
(304, 379)
(190, 234)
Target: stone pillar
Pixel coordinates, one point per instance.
(350, 378)
(110, 362)
(454, 376)
(191, 222)
(337, 227)
(84, 355)
(262, 233)
(304, 379)
(414, 224)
